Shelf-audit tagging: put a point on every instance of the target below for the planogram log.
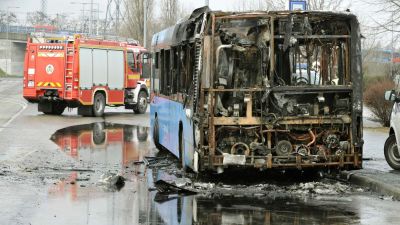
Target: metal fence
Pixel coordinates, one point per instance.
(28, 30)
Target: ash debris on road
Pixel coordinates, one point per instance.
(89, 165)
(176, 183)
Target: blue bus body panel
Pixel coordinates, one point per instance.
(170, 114)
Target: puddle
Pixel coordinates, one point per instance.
(121, 149)
(105, 143)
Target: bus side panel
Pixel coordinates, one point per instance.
(161, 107)
(169, 114)
(178, 115)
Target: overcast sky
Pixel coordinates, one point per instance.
(364, 11)
(65, 6)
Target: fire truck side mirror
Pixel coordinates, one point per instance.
(145, 57)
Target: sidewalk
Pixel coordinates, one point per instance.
(386, 183)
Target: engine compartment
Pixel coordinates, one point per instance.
(282, 88)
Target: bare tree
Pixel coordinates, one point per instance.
(169, 12)
(311, 5)
(248, 5)
(388, 9)
(133, 26)
(37, 18)
(6, 18)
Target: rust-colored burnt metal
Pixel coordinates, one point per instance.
(303, 103)
(274, 90)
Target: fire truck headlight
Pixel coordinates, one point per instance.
(31, 83)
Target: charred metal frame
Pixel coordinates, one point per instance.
(350, 159)
(284, 120)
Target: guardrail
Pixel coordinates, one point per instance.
(28, 30)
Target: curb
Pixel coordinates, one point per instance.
(373, 184)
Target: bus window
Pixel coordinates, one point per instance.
(156, 60)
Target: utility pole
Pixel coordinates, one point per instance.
(91, 23)
(8, 31)
(392, 51)
(144, 23)
(91, 18)
(206, 2)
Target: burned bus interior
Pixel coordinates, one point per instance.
(267, 89)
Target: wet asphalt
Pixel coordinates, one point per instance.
(60, 170)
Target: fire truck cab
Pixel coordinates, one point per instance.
(85, 73)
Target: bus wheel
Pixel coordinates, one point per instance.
(392, 153)
(182, 151)
(156, 134)
(141, 105)
(99, 103)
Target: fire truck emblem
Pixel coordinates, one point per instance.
(49, 69)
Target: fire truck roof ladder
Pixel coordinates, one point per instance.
(69, 66)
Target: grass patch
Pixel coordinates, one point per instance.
(2, 73)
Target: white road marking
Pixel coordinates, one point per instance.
(17, 102)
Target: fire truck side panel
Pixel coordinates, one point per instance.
(85, 69)
(115, 97)
(29, 73)
(116, 74)
(86, 97)
(99, 67)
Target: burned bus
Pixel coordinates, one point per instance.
(268, 90)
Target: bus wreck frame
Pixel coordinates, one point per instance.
(260, 89)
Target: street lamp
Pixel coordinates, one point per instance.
(8, 30)
(8, 17)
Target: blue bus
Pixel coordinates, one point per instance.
(226, 90)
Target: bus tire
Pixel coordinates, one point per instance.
(99, 104)
(156, 137)
(141, 106)
(392, 153)
(182, 163)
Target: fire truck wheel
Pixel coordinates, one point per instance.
(141, 106)
(58, 108)
(99, 135)
(99, 103)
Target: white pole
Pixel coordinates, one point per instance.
(207, 2)
(144, 23)
(91, 18)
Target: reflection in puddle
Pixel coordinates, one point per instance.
(199, 210)
(105, 142)
(77, 199)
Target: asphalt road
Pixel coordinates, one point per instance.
(60, 170)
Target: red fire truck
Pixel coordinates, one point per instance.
(86, 73)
